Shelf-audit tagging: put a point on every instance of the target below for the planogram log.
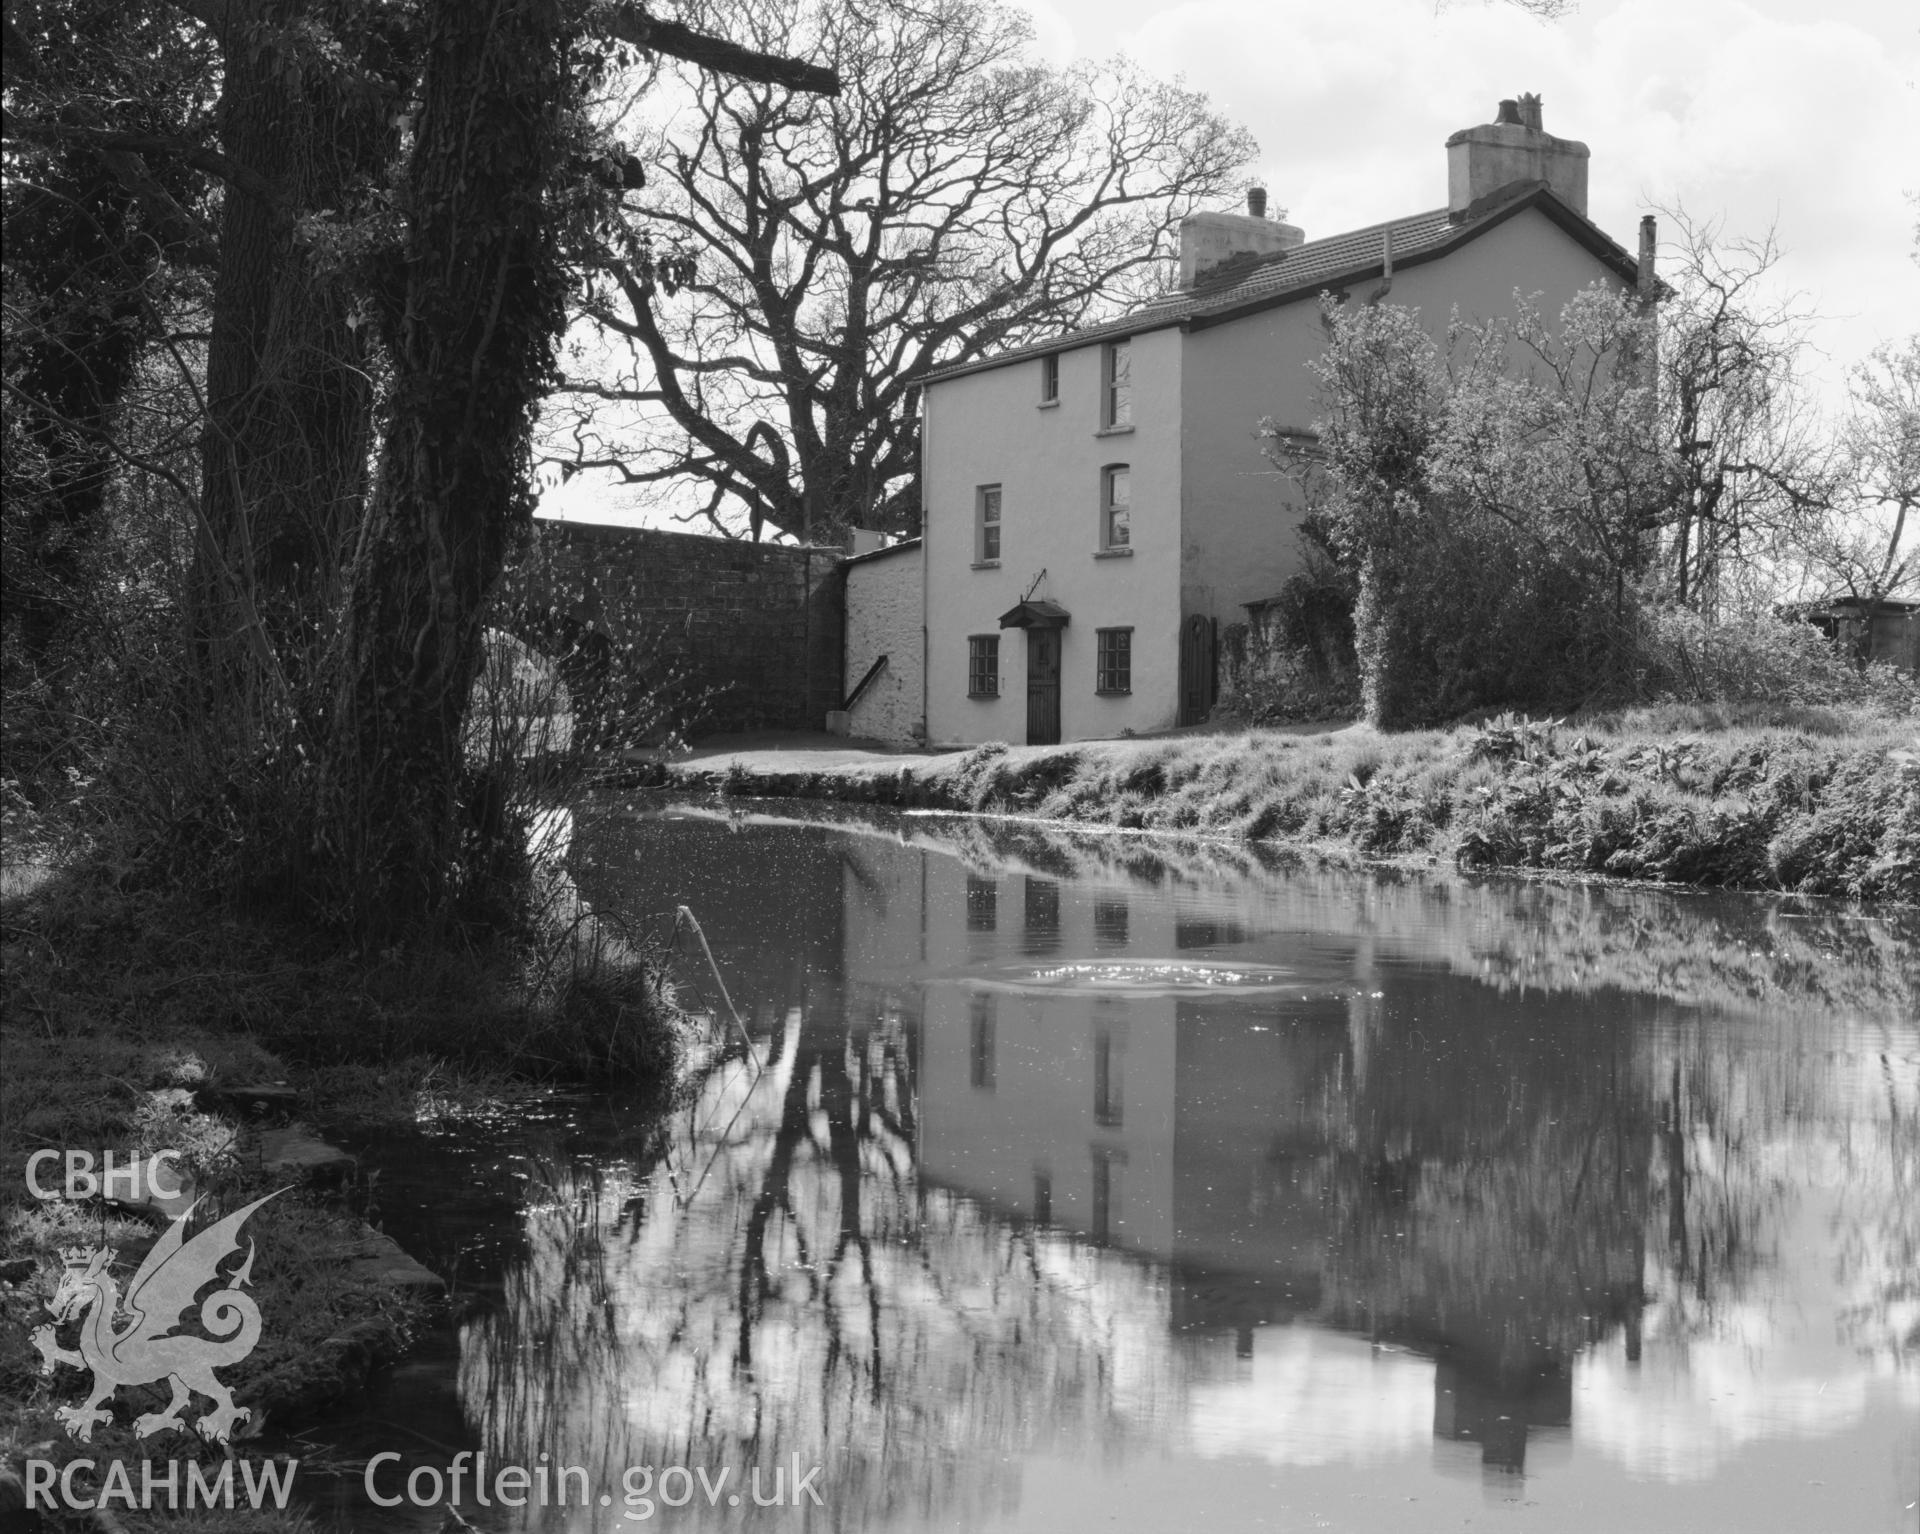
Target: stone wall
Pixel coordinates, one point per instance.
(746, 636)
(885, 614)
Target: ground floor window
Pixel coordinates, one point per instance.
(983, 666)
(1114, 660)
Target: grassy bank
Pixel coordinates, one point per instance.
(327, 1320)
(138, 1019)
(1815, 801)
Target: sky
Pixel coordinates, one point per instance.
(1756, 114)
(1753, 112)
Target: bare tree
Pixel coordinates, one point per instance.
(1869, 545)
(1753, 471)
(955, 198)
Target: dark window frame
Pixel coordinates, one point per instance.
(1109, 1081)
(983, 904)
(1050, 379)
(1113, 661)
(986, 529)
(1108, 506)
(983, 665)
(1116, 403)
(983, 1026)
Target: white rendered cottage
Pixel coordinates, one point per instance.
(1097, 507)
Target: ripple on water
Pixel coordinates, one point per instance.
(1145, 977)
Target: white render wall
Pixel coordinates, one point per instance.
(1214, 523)
(1038, 1115)
(1241, 514)
(990, 428)
(884, 614)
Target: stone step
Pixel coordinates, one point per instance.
(378, 1259)
(256, 1097)
(293, 1152)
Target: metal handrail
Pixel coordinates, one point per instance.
(864, 683)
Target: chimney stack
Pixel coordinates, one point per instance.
(1647, 283)
(1211, 241)
(1512, 149)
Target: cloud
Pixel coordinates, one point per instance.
(1311, 1397)
(1054, 40)
(1733, 113)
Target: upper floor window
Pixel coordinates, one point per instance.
(1108, 1092)
(981, 1050)
(986, 543)
(1116, 506)
(1050, 379)
(1119, 380)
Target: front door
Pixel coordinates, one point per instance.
(1043, 687)
(1196, 669)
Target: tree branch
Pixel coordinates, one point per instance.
(633, 25)
(108, 140)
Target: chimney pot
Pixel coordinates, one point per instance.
(1209, 241)
(1511, 150)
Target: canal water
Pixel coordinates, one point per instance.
(1076, 1183)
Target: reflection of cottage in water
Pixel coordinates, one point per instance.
(1300, 1132)
(1056, 1162)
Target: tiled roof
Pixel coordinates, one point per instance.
(1268, 281)
(1320, 261)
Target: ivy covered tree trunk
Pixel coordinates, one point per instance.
(289, 384)
(476, 308)
(1383, 641)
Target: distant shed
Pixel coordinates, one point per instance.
(1886, 631)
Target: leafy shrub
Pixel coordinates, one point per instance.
(1296, 660)
(1860, 836)
(1761, 657)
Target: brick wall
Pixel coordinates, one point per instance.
(753, 630)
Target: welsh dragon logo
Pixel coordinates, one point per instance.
(149, 1347)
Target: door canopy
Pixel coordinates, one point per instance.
(1034, 615)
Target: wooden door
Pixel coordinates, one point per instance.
(1196, 669)
(1043, 687)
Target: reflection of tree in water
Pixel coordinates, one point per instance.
(805, 1296)
(1740, 953)
(1783, 1245)
(1570, 1116)
(1491, 1189)
(1713, 1071)
(1823, 1123)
